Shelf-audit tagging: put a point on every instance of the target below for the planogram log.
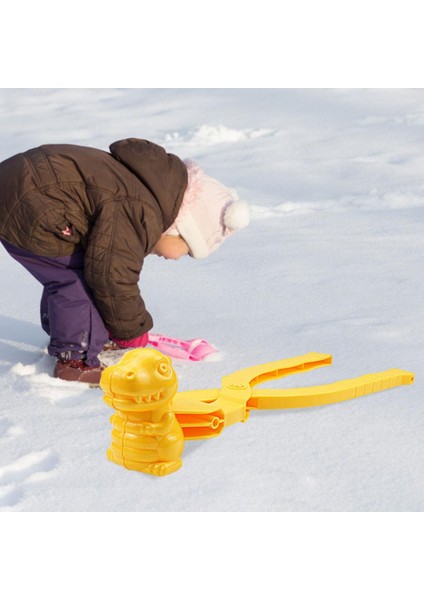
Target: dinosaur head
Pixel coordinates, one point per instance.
(143, 379)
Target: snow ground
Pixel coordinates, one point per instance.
(332, 262)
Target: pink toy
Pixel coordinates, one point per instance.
(196, 349)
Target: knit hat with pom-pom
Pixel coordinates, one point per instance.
(210, 212)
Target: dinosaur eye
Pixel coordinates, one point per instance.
(164, 369)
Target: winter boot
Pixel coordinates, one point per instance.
(78, 370)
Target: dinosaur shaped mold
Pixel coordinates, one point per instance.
(146, 435)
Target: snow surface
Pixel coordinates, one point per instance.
(332, 262)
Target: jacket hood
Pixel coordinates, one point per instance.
(164, 175)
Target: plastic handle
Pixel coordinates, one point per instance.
(196, 349)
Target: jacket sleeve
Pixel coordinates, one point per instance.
(113, 261)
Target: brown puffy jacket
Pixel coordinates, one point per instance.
(116, 206)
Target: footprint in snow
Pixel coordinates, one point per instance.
(17, 477)
(8, 429)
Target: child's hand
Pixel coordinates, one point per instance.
(138, 342)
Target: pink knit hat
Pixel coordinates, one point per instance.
(210, 212)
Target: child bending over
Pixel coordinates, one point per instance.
(81, 221)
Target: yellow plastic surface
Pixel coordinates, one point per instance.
(205, 413)
(146, 435)
(152, 419)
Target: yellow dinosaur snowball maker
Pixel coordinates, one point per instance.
(146, 435)
(152, 419)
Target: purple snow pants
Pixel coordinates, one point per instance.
(67, 310)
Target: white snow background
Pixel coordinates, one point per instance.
(332, 262)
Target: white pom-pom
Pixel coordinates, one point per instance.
(237, 215)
